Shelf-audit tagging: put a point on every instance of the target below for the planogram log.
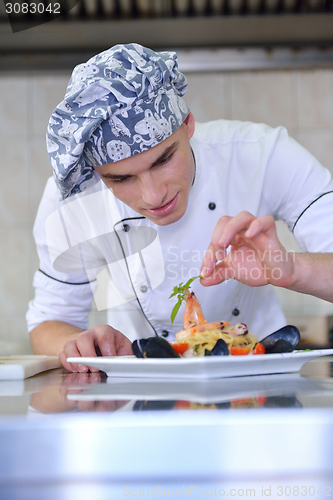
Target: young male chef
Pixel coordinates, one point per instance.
(143, 194)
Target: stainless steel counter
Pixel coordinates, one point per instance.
(84, 436)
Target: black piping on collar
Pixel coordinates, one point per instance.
(314, 201)
(195, 167)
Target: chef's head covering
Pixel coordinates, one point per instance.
(121, 102)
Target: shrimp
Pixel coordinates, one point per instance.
(203, 327)
(194, 320)
(193, 314)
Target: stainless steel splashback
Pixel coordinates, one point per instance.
(93, 25)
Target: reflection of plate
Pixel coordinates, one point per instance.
(209, 367)
(205, 391)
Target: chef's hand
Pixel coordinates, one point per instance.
(101, 340)
(255, 258)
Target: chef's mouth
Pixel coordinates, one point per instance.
(164, 209)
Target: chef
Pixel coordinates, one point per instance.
(142, 198)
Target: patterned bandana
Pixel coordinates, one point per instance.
(121, 102)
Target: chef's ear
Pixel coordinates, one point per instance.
(189, 123)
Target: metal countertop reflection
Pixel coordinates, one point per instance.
(85, 436)
(58, 391)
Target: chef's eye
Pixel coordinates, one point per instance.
(120, 180)
(165, 160)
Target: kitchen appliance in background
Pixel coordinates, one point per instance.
(85, 27)
(316, 331)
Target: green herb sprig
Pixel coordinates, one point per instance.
(181, 295)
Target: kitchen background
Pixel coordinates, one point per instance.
(301, 99)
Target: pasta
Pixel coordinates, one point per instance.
(199, 341)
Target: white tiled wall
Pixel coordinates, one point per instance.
(301, 100)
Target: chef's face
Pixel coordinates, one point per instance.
(157, 182)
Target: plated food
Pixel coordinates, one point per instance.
(200, 338)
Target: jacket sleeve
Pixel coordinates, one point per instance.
(299, 191)
(59, 294)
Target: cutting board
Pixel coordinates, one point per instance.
(21, 367)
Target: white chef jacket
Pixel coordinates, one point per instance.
(239, 166)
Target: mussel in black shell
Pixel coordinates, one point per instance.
(283, 340)
(219, 349)
(153, 347)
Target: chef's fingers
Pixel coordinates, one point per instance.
(68, 366)
(86, 345)
(235, 226)
(219, 274)
(264, 224)
(123, 344)
(227, 231)
(100, 340)
(83, 345)
(233, 231)
(214, 252)
(111, 342)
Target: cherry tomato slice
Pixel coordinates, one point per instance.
(180, 348)
(259, 349)
(239, 351)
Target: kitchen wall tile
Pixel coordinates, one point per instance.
(14, 181)
(294, 133)
(205, 96)
(15, 247)
(320, 143)
(294, 100)
(227, 90)
(317, 307)
(14, 330)
(45, 92)
(294, 303)
(264, 96)
(291, 302)
(315, 98)
(14, 337)
(13, 106)
(10, 347)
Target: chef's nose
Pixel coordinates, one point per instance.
(153, 191)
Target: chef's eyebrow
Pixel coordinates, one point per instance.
(169, 150)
